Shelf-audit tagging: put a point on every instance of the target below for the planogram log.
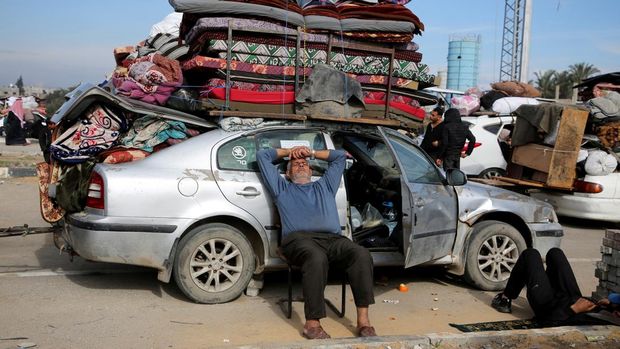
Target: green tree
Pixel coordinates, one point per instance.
(54, 100)
(20, 85)
(545, 83)
(564, 79)
(582, 71)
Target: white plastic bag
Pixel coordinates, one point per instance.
(508, 105)
(371, 217)
(599, 163)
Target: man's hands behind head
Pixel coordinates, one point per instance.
(300, 152)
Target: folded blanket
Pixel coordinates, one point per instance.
(97, 131)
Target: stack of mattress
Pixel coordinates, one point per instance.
(264, 46)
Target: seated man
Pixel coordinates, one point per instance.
(553, 294)
(311, 236)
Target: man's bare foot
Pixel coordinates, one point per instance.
(583, 305)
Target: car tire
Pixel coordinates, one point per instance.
(492, 172)
(214, 263)
(492, 252)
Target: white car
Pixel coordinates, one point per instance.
(601, 206)
(486, 160)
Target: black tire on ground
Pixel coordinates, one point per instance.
(492, 172)
(492, 251)
(214, 263)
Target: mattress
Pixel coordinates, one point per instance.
(219, 7)
(202, 62)
(349, 64)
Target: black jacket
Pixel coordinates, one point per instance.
(432, 134)
(455, 132)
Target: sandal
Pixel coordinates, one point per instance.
(366, 331)
(315, 333)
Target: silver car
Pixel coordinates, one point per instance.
(199, 212)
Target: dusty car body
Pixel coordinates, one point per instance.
(199, 212)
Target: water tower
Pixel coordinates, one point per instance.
(463, 61)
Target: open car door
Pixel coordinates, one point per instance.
(429, 204)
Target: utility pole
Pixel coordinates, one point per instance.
(516, 40)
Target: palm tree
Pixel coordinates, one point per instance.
(545, 83)
(564, 79)
(582, 71)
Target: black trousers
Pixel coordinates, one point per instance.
(550, 292)
(314, 253)
(452, 161)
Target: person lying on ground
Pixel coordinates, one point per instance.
(311, 235)
(553, 294)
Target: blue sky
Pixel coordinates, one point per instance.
(58, 43)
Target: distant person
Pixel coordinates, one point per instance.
(553, 294)
(432, 143)
(454, 135)
(14, 125)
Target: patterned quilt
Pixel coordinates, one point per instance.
(282, 48)
(202, 62)
(349, 64)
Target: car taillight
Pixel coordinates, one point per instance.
(95, 192)
(580, 186)
(476, 145)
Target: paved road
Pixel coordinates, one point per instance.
(61, 304)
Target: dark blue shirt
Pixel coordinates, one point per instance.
(309, 207)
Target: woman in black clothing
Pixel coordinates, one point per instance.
(455, 132)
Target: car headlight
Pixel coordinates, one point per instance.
(548, 214)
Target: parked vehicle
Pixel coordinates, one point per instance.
(601, 206)
(199, 212)
(487, 160)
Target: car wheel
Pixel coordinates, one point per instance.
(492, 252)
(214, 263)
(492, 172)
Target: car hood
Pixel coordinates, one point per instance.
(476, 199)
(86, 94)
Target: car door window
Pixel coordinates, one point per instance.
(494, 129)
(240, 154)
(417, 168)
(375, 150)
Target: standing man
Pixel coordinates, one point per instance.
(432, 142)
(455, 132)
(311, 236)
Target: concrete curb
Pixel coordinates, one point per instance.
(560, 337)
(8, 172)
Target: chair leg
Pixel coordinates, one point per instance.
(289, 310)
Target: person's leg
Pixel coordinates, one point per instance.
(561, 275)
(304, 251)
(530, 272)
(357, 263)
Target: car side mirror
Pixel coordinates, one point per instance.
(456, 177)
